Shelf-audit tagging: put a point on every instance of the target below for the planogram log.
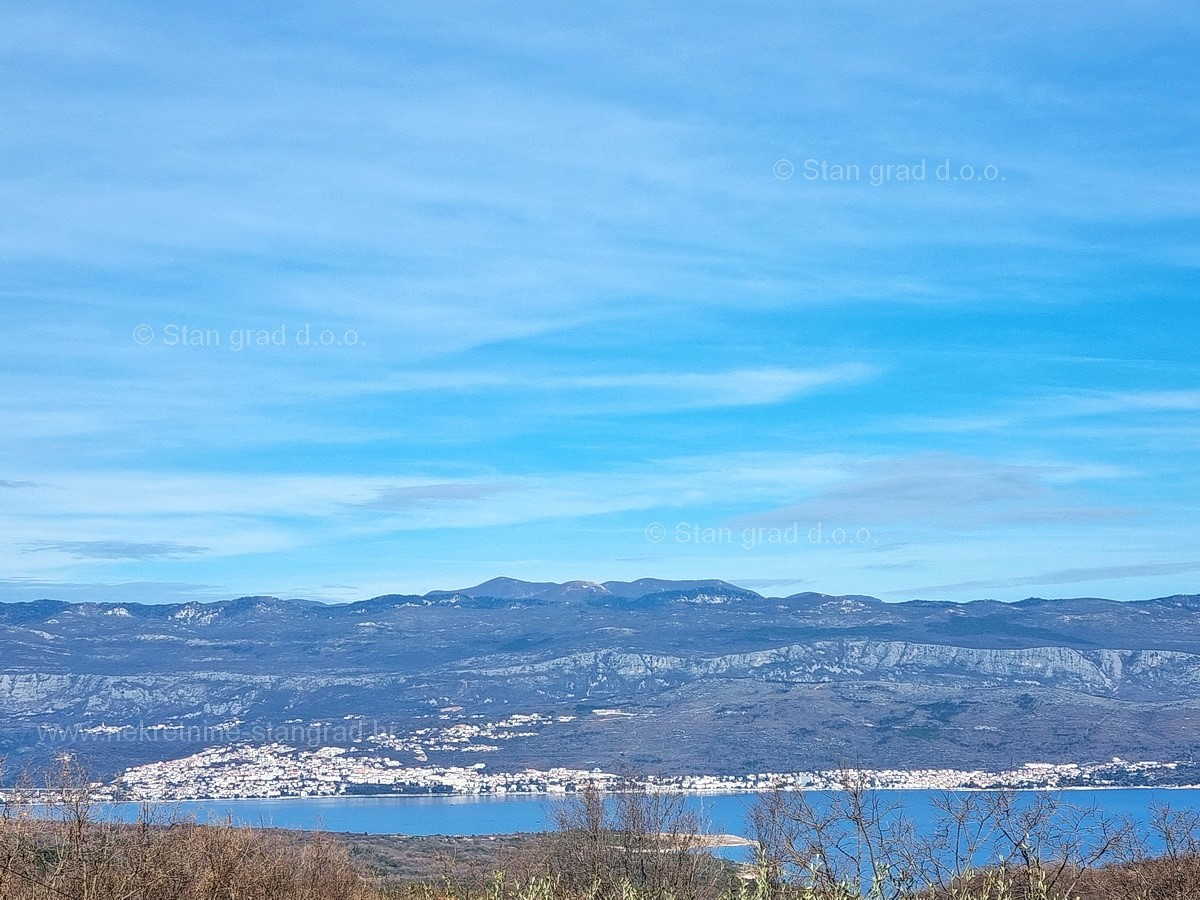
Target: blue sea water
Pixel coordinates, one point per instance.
(469, 815)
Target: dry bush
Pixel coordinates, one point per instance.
(633, 840)
(52, 846)
(982, 846)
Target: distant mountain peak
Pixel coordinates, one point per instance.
(644, 586)
(502, 588)
(814, 597)
(505, 588)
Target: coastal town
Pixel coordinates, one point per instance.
(276, 771)
(352, 757)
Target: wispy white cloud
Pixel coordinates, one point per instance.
(1083, 575)
(401, 499)
(635, 391)
(1126, 410)
(1102, 403)
(940, 490)
(118, 549)
(77, 516)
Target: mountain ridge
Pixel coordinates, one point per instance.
(705, 676)
(504, 588)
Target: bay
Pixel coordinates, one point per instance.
(483, 815)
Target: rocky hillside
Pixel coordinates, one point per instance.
(674, 677)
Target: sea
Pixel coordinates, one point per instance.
(491, 814)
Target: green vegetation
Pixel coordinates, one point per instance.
(849, 845)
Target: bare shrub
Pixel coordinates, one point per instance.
(649, 842)
(53, 846)
(855, 842)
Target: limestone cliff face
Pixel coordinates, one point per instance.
(1129, 674)
(159, 696)
(38, 695)
(1101, 672)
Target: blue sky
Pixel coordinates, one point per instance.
(531, 281)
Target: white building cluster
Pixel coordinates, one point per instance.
(384, 762)
(275, 770)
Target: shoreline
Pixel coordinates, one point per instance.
(525, 795)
